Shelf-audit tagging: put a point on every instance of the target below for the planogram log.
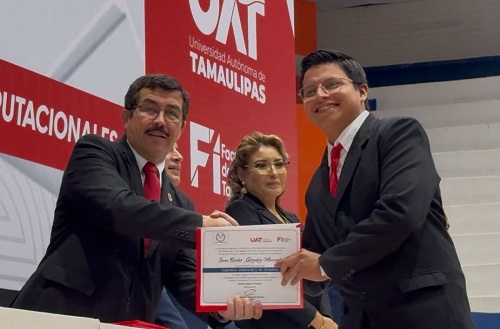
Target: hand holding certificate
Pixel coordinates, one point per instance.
(240, 260)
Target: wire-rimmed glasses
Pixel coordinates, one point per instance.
(152, 111)
(328, 86)
(264, 167)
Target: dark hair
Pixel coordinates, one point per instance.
(248, 146)
(351, 68)
(153, 81)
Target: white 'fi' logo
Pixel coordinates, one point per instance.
(199, 158)
(229, 16)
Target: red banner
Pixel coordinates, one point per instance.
(41, 119)
(236, 60)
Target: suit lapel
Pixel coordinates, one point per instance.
(263, 211)
(292, 218)
(167, 192)
(166, 198)
(132, 166)
(136, 181)
(322, 204)
(321, 181)
(353, 156)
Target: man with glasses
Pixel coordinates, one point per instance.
(117, 236)
(375, 224)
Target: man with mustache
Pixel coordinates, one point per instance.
(118, 237)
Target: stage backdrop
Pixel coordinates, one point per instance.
(236, 59)
(67, 70)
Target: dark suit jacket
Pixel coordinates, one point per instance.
(94, 266)
(383, 238)
(249, 210)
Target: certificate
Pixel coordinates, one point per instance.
(239, 260)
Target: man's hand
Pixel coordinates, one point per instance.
(301, 265)
(219, 218)
(322, 322)
(242, 309)
(330, 324)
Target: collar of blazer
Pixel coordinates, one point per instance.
(350, 163)
(262, 209)
(131, 164)
(136, 181)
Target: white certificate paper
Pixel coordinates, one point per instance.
(239, 260)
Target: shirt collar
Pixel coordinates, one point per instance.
(347, 136)
(142, 161)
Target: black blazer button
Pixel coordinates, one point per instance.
(362, 295)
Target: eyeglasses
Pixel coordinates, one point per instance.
(328, 86)
(152, 111)
(264, 167)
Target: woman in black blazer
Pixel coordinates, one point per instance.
(257, 177)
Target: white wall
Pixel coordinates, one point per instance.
(411, 32)
(93, 45)
(462, 120)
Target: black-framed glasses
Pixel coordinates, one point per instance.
(152, 111)
(328, 86)
(264, 167)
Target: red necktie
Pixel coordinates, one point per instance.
(152, 190)
(334, 157)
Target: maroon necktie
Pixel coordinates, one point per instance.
(334, 157)
(152, 190)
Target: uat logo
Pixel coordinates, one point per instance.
(222, 19)
(257, 239)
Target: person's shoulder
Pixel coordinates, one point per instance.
(396, 121)
(398, 129)
(240, 203)
(92, 139)
(98, 142)
(182, 199)
(237, 203)
(292, 217)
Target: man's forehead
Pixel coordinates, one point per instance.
(159, 95)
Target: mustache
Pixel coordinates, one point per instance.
(162, 130)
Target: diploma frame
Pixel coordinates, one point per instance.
(239, 260)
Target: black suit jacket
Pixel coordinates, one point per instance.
(383, 238)
(249, 210)
(94, 266)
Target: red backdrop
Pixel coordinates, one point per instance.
(236, 60)
(42, 118)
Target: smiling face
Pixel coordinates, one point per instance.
(267, 187)
(333, 112)
(153, 138)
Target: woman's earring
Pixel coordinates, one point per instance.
(243, 189)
